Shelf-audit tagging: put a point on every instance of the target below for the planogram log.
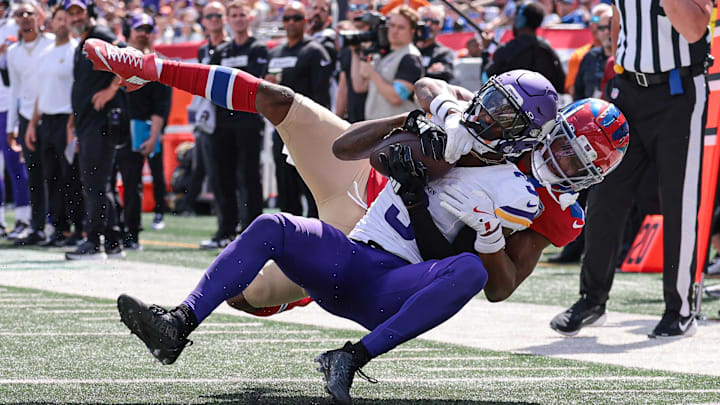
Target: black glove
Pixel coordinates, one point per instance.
(432, 137)
(410, 176)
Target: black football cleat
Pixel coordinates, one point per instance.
(582, 314)
(163, 332)
(339, 368)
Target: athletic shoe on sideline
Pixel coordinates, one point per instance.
(713, 269)
(21, 230)
(131, 65)
(339, 371)
(88, 250)
(32, 238)
(158, 223)
(583, 313)
(215, 243)
(673, 325)
(163, 332)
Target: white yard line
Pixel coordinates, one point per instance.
(199, 332)
(273, 341)
(36, 301)
(262, 381)
(501, 368)
(506, 326)
(396, 350)
(454, 358)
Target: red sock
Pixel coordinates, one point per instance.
(269, 311)
(193, 78)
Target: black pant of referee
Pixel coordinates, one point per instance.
(65, 202)
(667, 130)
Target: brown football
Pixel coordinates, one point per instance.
(436, 168)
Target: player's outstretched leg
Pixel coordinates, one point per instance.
(163, 332)
(246, 92)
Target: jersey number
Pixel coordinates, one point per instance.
(391, 216)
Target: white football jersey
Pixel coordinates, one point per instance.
(387, 221)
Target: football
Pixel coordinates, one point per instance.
(436, 168)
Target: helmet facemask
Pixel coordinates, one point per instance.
(562, 161)
(495, 118)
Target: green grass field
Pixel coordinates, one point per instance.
(62, 348)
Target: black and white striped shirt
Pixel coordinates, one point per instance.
(648, 43)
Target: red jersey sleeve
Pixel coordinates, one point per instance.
(558, 226)
(376, 182)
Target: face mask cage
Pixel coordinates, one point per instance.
(495, 118)
(562, 161)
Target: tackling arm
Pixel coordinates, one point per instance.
(426, 89)
(359, 140)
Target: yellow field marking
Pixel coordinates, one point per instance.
(169, 244)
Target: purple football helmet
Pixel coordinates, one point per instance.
(506, 114)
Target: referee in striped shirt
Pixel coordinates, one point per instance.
(661, 58)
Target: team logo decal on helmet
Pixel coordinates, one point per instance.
(506, 114)
(586, 141)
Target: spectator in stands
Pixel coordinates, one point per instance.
(592, 67)
(390, 78)
(100, 122)
(187, 29)
(527, 50)
(351, 97)
(148, 109)
(46, 134)
(569, 13)
(23, 70)
(318, 27)
(578, 54)
(437, 59)
(238, 136)
(305, 66)
(214, 23)
(473, 48)
(551, 18)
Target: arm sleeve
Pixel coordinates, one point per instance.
(161, 95)
(430, 241)
(410, 68)
(321, 68)
(446, 57)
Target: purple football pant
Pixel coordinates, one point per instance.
(397, 301)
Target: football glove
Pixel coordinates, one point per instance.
(459, 139)
(477, 211)
(408, 177)
(432, 136)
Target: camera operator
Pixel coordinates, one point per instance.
(351, 100)
(437, 59)
(390, 77)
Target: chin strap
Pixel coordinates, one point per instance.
(564, 199)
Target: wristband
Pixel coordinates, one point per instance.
(491, 243)
(441, 104)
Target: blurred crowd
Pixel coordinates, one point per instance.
(359, 58)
